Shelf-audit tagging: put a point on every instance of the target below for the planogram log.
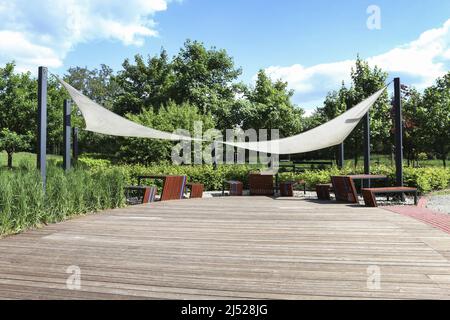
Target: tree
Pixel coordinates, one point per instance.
(144, 86)
(101, 86)
(98, 84)
(168, 118)
(413, 139)
(203, 77)
(365, 82)
(268, 106)
(196, 75)
(436, 112)
(17, 110)
(336, 103)
(12, 142)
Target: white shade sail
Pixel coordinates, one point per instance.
(329, 134)
(101, 120)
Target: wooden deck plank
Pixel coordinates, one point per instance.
(230, 248)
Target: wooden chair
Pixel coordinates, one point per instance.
(236, 187)
(196, 190)
(173, 188)
(140, 194)
(260, 184)
(323, 191)
(287, 188)
(344, 189)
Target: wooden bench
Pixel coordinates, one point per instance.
(260, 184)
(236, 187)
(196, 189)
(287, 188)
(344, 189)
(369, 194)
(323, 191)
(142, 194)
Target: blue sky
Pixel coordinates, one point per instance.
(310, 44)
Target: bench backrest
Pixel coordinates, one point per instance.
(260, 184)
(344, 189)
(173, 188)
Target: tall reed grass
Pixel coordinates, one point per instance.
(23, 203)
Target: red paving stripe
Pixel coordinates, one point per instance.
(435, 219)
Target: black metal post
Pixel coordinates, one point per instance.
(66, 134)
(367, 147)
(398, 133)
(42, 124)
(75, 143)
(341, 160)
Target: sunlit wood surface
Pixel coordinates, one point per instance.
(231, 247)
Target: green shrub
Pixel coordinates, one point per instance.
(425, 179)
(85, 162)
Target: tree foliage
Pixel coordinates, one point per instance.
(168, 118)
(202, 84)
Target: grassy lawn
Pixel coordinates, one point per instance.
(24, 157)
(384, 160)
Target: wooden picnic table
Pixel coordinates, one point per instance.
(157, 177)
(368, 177)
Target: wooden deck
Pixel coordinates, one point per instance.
(232, 247)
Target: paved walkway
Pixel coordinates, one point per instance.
(436, 219)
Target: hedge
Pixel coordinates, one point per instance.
(425, 179)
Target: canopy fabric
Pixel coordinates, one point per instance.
(101, 120)
(329, 134)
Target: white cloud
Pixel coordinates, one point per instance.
(43, 32)
(420, 61)
(24, 52)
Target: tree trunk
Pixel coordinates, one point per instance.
(444, 161)
(10, 160)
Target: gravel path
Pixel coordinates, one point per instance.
(439, 203)
(311, 195)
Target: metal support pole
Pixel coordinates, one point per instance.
(75, 143)
(42, 124)
(341, 146)
(66, 133)
(341, 160)
(367, 147)
(398, 133)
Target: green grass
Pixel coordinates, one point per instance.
(24, 158)
(383, 160)
(30, 159)
(23, 204)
